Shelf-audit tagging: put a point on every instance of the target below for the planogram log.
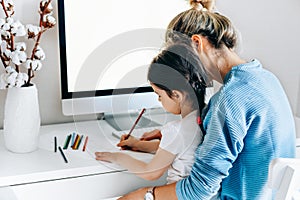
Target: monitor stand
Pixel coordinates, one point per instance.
(125, 121)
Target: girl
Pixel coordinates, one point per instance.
(175, 77)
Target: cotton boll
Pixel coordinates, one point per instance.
(36, 65)
(48, 21)
(25, 77)
(6, 27)
(20, 46)
(18, 29)
(28, 64)
(11, 79)
(51, 20)
(44, 9)
(19, 80)
(18, 57)
(5, 34)
(6, 54)
(39, 53)
(10, 70)
(3, 46)
(32, 30)
(15, 58)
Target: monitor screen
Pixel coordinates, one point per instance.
(105, 50)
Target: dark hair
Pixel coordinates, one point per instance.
(178, 67)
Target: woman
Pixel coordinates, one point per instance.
(248, 122)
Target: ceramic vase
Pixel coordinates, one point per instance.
(22, 119)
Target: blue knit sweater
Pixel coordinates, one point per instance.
(249, 122)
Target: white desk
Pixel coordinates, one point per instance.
(43, 174)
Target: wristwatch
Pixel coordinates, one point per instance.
(149, 194)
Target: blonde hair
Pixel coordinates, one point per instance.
(217, 28)
(203, 4)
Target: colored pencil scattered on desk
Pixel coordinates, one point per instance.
(85, 143)
(73, 138)
(76, 142)
(62, 154)
(67, 141)
(80, 139)
(55, 144)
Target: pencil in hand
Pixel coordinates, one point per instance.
(135, 123)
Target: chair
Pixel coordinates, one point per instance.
(284, 178)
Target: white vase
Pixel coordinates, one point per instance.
(22, 119)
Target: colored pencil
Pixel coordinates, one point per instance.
(55, 144)
(85, 143)
(135, 123)
(67, 141)
(73, 138)
(78, 143)
(62, 154)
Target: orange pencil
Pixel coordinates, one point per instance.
(85, 143)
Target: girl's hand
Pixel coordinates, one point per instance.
(106, 156)
(155, 134)
(130, 143)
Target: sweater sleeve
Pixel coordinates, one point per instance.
(215, 156)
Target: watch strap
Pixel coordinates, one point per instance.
(151, 190)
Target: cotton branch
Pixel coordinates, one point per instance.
(44, 25)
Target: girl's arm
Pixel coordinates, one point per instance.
(155, 134)
(138, 145)
(149, 171)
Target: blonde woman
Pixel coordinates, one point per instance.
(249, 121)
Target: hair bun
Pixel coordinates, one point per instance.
(197, 4)
(203, 5)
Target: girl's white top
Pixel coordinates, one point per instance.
(181, 138)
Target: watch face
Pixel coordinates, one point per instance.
(148, 196)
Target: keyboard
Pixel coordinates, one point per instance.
(137, 132)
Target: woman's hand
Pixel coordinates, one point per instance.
(155, 134)
(161, 192)
(135, 195)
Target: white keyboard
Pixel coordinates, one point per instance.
(137, 132)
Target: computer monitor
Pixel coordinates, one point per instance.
(105, 49)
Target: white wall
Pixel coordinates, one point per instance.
(48, 79)
(270, 32)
